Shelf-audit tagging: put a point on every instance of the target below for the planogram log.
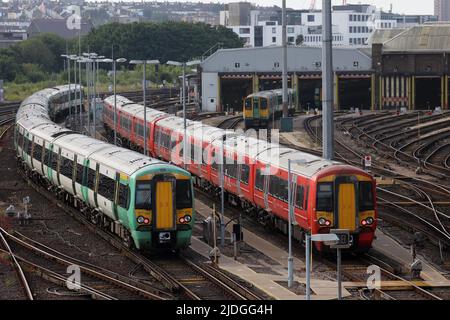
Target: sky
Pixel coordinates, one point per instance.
(399, 6)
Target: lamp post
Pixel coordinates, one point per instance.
(74, 59)
(114, 61)
(292, 220)
(184, 65)
(144, 89)
(86, 60)
(68, 75)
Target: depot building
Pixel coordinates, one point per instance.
(402, 68)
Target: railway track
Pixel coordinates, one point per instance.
(426, 218)
(231, 123)
(95, 282)
(16, 265)
(217, 288)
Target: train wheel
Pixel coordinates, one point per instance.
(128, 240)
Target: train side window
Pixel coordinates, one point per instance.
(214, 164)
(245, 173)
(106, 187)
(19, 139)
(259, 180)
(230, 168)
(366, 202)
(66, 167)
(79, 176)
(300, 197)
(124, 196)
(325, 201)
(91, 179)
(54, 161)
(37, 152)
(183, 194)
(27, 145)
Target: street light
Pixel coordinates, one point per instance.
(88, 61)
(120, 60)
(144, 89)
(68, 75)
(291, 220)
(74, 58)
(184, 65)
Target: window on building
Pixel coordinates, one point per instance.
(290, 30)
(291, 39)
(311, 18)
(244, 30)
(274, 30)
(274, 39)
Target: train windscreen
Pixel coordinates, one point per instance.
(183, 194)
(366, 201)
(143, 195)
(248, 104)
(263, 103)
(325, 201)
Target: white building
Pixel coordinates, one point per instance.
(352, 26)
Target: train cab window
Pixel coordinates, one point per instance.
(280, 100)
(248, 104)
(263, 103)
(183, 194)
(79, 176)
(124, 199)
(37, 152)
(143, 195)
(259, 180)
(66, 167)
(366, 202)
(325, 201)
(91, 178)
(106, 187)
(245, 173)
(300, 197)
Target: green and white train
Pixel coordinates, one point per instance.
(146, 202)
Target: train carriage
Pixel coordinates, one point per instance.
(145, 201)
(260, 108)
(325, 194)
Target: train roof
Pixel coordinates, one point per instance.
(123, 160)
(80, 144)
(268, 93)
(50, 131)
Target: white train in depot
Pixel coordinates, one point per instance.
(147, 202)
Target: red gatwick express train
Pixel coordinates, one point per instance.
(326, 194)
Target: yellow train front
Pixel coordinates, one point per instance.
(262, 107)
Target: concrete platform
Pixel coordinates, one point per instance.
(320, 289)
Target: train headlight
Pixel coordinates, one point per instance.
(369, 221)
(322, 221)
(140, 219)
(187, 218)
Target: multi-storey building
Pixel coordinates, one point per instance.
(353, 25)
(442, 9)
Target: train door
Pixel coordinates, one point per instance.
(256, 107)
(164, 212)
(346, 203)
